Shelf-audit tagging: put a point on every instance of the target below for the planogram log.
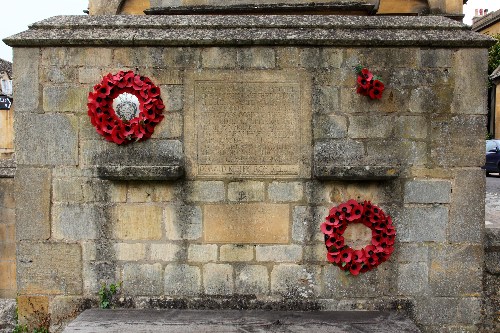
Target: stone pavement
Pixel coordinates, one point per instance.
(238, 321)
(492, 202)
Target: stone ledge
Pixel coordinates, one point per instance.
(214, 30)
(8, 167)
(172, 172)
(332, 172)
(492, 239)
(95, 320)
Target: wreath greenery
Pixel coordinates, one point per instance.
(369, 257)
(136, 122)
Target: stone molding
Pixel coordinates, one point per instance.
(194, 30)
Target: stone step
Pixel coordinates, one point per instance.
(244, 321)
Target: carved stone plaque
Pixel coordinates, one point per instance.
(248, 124)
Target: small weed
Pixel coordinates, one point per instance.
(106, 294)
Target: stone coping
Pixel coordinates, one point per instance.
(277, 8)
(195, 321)
(220, 30)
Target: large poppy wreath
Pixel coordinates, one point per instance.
(360, 260)
(125, 107)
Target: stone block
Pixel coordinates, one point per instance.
(49, 268)
(436, 310)
(429, 100)
(236, 253)
(456, 270)
(77, 222)
(470, 310)
(90, 75)
(411, 253)
(246, 223)
(137, 222)
(173, 97)
(205, 191)
(143, 279)
(64, 309)
(330, 127)
(140, 192)
(171, 127)
(423, 191)
(326, 99)
(65, 98)
(320, 57)
(278, 253)
(436, 58)
(33, 203)
(253, 280)
(257, 58)
(130, 252)
(287, 57)
(285, 191)
(306, 223)
(67, 190)
(58, 74)
(181, 57)
(163, 76)
(182, 280)
(147, 153)
(164, 192)
(339, 152)
(202, 253)
(183, 222)
(245, 191)
(8, 275)
(25, 68)
(422, 224)
(470, 85)
(467, 207)
(396, 153)
(338, 284)
(411, 127)
(166, 252)
(77, 56)
(219, 57)
(413, 279)
(56, 137)
(33, 310)
(8, 251)
(295, 281)
(457, 141)
(218, 279)
(315, 253)
(138, 57)
(98, 272)
(367, 127)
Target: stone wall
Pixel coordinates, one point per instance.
(492, 280)
(249, 237)
(7, 239)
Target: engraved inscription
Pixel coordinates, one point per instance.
(247, 128)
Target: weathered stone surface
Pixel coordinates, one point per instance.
(130, 252)
(63, 309)
(234, 124)
(257, 58)
(77, 222)
(279, 253)
(411, 253)
(326, 100)
(56, 137)
(467, 207)
(218, 58)
(455, 270)
(285, 191)
(246, 223)
(26, 68)
(65, 98)
(170, 127)
(218, 279)
(166, 252)
(183, 222)
(53, 74)
(137, 222)
(363, 127)
(33, 311)
(427, 191)
(33, 203)
(143, 279)
(235, 253)
(202, 253)
(295, 281)
(7, 315)
(245, 191)
(252, 279)
(422, 224)
(411, 127)
(337, 284)
(173, 97)
(171, 172)
(330, 127)
(306, 222)
(49, 268)
(413, 279)
(338, 152)
(77, 56)
(206, 191)
(182, 280)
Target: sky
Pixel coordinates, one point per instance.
(18, 14)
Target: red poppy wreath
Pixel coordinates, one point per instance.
(382, 242)
(125, 107)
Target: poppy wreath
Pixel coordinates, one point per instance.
(368, 84)
(119, 129)
(382, 243)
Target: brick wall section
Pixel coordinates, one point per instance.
(150, 235)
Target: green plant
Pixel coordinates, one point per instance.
(494, 55)
(106, 295)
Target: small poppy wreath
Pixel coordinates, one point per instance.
(368, 84)
(369, 257)
(125, 107)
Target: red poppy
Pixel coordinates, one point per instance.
(375, 93)
(378, 84)
(355, 268)
(358, 256)
(346, 255)
(366, 74)
(363, 83)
